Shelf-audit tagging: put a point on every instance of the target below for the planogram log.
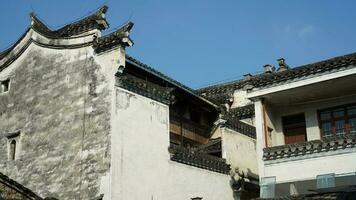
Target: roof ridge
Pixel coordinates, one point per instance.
(152, 69)
(169, 79)
(122, 29)
(98, 15)
(94, 20)
(261, 75)
(119, 36)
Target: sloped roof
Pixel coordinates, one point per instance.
(73, 30)
(153, 71)
(13, 185)
(113, 39)
(242, 112)
(96, 20)
(219, 93)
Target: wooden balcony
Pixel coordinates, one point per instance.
(189, 129)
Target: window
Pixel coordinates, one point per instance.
(294, 129)
(4, 86)
(268, 187)
(338, 121)
(325, 181)
(13, 146)
(12, 149)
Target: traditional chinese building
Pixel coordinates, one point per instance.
(305, 119)
(81, 119)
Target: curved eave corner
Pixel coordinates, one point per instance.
(119, 37)
(75, 35)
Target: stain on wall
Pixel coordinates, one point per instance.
(64, 122)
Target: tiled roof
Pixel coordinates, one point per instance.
(232, 119)
(310, 147)
(213, 146)
(18, 187)
(113, 39)
(94, 21)
(240, 127)
(221, 91)
(243, 112)
(166, 78)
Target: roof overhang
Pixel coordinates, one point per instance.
(82, 33)
(136, 63)
(259, 93)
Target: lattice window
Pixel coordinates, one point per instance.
(338, 121)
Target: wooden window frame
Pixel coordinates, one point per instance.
(333, 120)
(285, 128)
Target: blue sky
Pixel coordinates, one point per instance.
(202, 42)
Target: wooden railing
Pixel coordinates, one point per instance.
(198, 159)
(179, 124)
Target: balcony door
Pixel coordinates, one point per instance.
(294, 129)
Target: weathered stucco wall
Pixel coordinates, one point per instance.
(141, 167)
(239, 151)
(60, 103)
(240, 98)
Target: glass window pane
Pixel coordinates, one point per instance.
(340, 127)
(325, 115)
(327, 128)
(325, 181)
(351, 110)
(268, 187)
(338, 113)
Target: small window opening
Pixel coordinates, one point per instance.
(13, 150)
(4, 86)
(13, 144)
(325, 181)
(268, 187)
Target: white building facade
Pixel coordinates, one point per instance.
(305, 119)
(306, 125)
(81, 119)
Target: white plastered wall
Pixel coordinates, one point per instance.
(308, 167)
(141, 167)
(239, 150)
(110, 62)
(240, 99)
